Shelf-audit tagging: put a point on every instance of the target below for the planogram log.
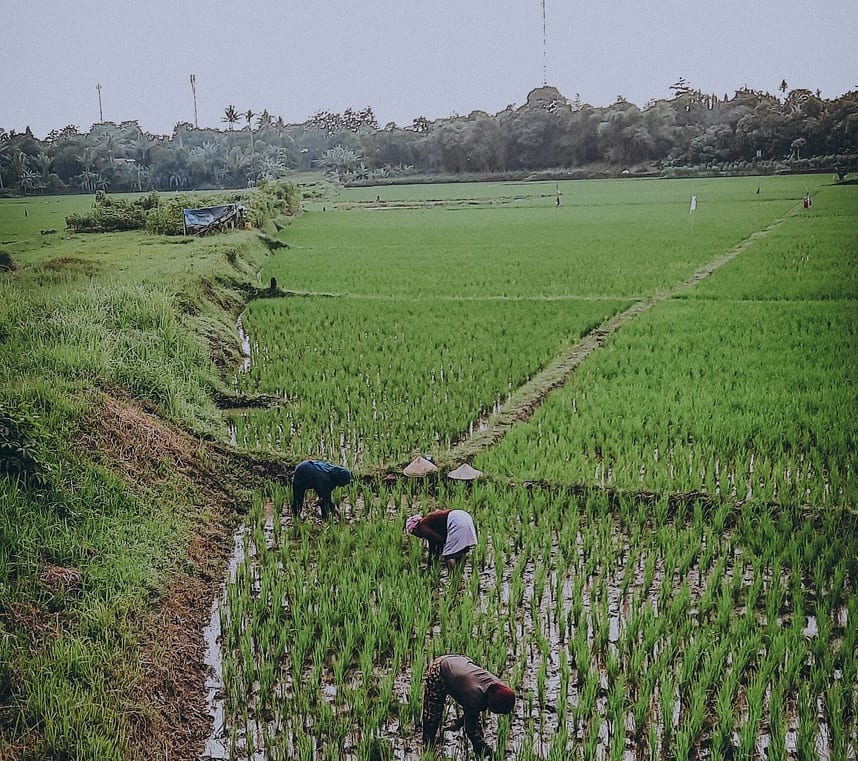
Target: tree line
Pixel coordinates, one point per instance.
(750, 131)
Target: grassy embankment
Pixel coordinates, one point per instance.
(111, 487)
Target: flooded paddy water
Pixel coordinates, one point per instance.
(629, 625)
(620, 640)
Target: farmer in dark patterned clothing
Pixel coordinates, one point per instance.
(322, 477)
(472, 687)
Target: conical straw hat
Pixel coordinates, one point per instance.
(419, 467)
(465, 473)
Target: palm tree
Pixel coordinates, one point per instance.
(178, 178)
(30, 181)
(140, 150)
(106, 148)
(42, 162)
(237, 166)
(4, 154)
(230, 116)
(272, 168)
(87, 180)
(143, 173)
(249, 115)
(18, 164)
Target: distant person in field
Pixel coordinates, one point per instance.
(473, 688)
(450, 534)
(322, 477)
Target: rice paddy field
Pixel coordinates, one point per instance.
(666, 565)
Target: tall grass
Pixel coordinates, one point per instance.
(85, 553)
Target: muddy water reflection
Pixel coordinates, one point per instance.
(580, 617)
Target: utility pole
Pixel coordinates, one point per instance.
(194, 90)
(100, 113)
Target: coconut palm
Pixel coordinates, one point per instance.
(230, 116)
(87, 180)
(42, 162)
(143, 176)
(272, 168)
(32, 181)
(5, 152)
(178, 178)
(204, 160)
(18, 164)
(249, 115)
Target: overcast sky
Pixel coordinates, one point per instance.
(405, 59)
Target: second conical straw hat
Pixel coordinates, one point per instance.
(465, 473)
(419, 467)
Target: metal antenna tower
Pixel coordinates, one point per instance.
(544, 48)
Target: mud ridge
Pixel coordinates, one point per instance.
(527, 398)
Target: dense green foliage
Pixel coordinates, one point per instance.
(109, 214)
(22, 456)
(163, 216)
(693, 132)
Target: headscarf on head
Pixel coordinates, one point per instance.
(500, 697)
(412, 522)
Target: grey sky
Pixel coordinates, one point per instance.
(402, 58)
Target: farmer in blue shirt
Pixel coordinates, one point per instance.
(322, 477)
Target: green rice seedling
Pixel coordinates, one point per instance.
(808, 725)
(750, 729)
(540, 685)
(836, 711)
(559, 750)
(563, 694)
(591, 739)
(725, 604)
(725, 712)
(586, 699)
(653, 742)
(581, 653)
(642, 706)
(616, 710)
(777, 724)
(668, 702)
(683, 742)
(679, 605)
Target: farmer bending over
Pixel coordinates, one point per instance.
(450, 534)
(473, 688)
(322, 477)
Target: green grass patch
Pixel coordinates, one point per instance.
(85, 554)
(731, 389)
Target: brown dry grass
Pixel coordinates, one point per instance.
(167, 705)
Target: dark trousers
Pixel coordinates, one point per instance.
(301, 485)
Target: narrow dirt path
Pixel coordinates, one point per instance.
(527, 398)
